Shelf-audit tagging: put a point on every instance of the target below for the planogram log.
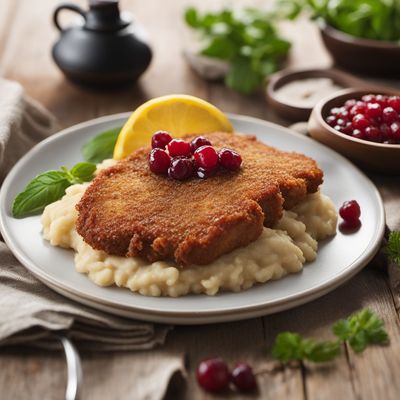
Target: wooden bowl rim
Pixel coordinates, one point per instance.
(287, 75)
(345, 94)
(341, 36)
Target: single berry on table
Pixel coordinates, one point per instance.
(159, 161)
(198, 142)
(230, 159)
(350, 211)
(181, 168)
(243, 378)
(178, 147)
(206, 157)
(213, 375)
(160, 140)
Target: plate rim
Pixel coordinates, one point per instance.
(182, 316)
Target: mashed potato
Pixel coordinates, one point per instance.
(276, 253)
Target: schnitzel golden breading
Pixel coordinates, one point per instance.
(130, 211)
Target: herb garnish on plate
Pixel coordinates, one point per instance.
(50, 186)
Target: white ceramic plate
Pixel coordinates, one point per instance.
(339, 258)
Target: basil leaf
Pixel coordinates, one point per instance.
(101, 146)
(83, 172)
(41, 191)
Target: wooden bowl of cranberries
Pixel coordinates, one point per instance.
(363, 125)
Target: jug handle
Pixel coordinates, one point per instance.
(67, 6)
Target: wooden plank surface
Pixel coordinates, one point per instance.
(26, 36)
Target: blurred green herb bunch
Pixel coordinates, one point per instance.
(248, 40)
(368, 19)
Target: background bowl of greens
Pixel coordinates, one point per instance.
(368, 56)
(361, 35)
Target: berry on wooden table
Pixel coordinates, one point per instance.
(243, 378)
(213, 375)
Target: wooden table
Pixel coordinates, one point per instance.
(26, 36)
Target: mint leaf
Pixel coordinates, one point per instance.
(101, 146)
(83, 172)
(361, 329)
(41, 191)
(393, 247)
(291, 346)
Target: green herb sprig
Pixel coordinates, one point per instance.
(248, 40)
(48, 187)
(393, 247)
(369, 19)
(360, 330)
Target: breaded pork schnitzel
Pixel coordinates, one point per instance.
(130, 211)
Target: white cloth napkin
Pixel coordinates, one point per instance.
(30, 312)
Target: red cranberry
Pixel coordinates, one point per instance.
(347, 129)
(243, 378)
(350, 103)
(360, 122)
(359, 108)
(198, 142)
(181, 168)
(230, 159)
(350, 211)
(382, 100)
(340, 122)
(213, 375)
(374, 110)
(178, 147)
(331, 120)
(389, 115)
(206, 157)
(160, 140)
(385, 130)
(373, 134)
(394, 102)
(358, 134)
(368, 98)
(335, 111)
(395, 131)
(159, 161)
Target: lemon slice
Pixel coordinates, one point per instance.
(177, 114)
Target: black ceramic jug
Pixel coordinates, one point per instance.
(107, 50)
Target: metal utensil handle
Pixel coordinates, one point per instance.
(74, 369)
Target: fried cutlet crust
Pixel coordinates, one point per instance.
(129, 211)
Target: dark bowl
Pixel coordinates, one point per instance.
(372, 156)
(371, 57)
